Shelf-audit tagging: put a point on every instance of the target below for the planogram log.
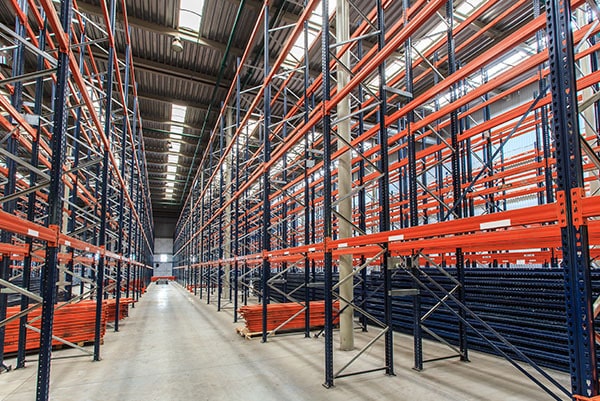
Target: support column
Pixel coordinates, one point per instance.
(308, 164)
(105, 185)
(327, 215)
(570, 188)
(121, 212)
(55, 207)
(412, 198)
(456, 177)
(32, 197)
(384, 197)
(236, 162)
(266, 234)
(342, 28)
(10, 187)
(227, 234)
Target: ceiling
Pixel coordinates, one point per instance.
(198, 77)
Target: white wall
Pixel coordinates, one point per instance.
(163, 246)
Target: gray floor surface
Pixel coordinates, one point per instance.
(174, 346)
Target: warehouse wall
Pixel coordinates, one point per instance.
(163, 246)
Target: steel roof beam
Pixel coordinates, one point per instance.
(162, 29)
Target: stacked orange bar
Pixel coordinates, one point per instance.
(73, 322)
(111, 304)
(279, 313)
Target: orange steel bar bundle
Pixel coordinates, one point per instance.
(279, 313)
(156, 278)
(111, 304)
(73, 322)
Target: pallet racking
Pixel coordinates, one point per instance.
(75, 206)
(457, 147)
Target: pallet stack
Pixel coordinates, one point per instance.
(111, 304)
(73, 322)
(279, 313)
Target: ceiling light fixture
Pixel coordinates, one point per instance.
(177, 44)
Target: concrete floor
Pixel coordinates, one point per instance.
(175, 347)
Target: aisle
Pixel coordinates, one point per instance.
(175, 347)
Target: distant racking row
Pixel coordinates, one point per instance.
(437, 134)
(76, 215)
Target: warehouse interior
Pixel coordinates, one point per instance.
(299, 199)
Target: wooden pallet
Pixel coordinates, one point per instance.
(244, 332)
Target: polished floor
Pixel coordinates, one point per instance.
(176, 347)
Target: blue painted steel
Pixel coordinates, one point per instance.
(55, 205)
(222, 145)
(307, 157)
(569, 170)
(384, 193)
(236, 206)
(35, 146)
(105, 187)
(121, 210)
(10, 187)
(327, 212)
(412, 195)
(266, 221)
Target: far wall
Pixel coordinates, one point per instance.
(164, 229)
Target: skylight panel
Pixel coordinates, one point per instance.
(178, 113)
(175, 147)
(171, 169)
(171, 177)
(190, 14)
(173, 159)
(177, 129)
(467, 7)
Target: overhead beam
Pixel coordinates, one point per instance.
(162, 29)
(154, 67)
(143, 95)
(285, 16)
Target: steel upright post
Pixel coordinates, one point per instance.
(121, 211)
(201, 258)
(236, 206)
(35, 146)
(105, 187)
(131, 189)
(55, 208)
(222, 145)
(362, 198)
(10, 186)
(266, 237)
(327, 213)
(307, 165)
(412, 195)
(570, 187)
(456, 177)
(384, 196)
(75, 164)
(209, 241)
